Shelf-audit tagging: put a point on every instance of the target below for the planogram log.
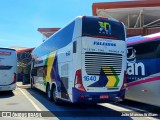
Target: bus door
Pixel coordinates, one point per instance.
(64, 60)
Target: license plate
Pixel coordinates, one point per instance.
(103, 96)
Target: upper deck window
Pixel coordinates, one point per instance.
(104, 28)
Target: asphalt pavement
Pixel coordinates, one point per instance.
(33, 104)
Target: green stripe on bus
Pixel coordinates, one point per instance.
(117, 78)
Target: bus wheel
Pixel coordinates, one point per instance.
(10, 91)
(55, 99)
(49, 93)
(32, 86)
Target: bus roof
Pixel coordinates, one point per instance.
(142, 39)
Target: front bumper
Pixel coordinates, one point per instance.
(7, 87)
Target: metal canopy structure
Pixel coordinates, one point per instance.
(47, 32)
(140, 17)
(21, 49)
(134, 17)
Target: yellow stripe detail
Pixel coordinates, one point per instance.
(111, 79)
(50, 65)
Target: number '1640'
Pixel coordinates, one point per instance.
(89, 78)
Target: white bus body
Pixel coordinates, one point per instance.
(8, 69)
(83, 62)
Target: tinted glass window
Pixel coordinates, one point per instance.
(57, 41)
(5, 67)
(98, 27)
(147, 50)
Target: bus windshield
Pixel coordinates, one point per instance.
(102, 28)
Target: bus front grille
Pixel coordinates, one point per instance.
(103, 63)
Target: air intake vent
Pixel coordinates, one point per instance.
(103, 63)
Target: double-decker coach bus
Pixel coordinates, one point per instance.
(8, 69)
(143, 71)
(84, 62)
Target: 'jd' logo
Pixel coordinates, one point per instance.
(105, 28)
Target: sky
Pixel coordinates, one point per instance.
(20, 19)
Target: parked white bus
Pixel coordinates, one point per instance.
(8, 69)
(84, 62)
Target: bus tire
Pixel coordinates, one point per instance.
(49, 92)
(10, 91)
(54, 95)
(32, 86)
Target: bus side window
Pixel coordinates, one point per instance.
(34, 72)
(158, 50)
(74, 46)
(146, 50)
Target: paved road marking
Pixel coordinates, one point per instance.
(120, 109)
(129, 107)
(37, 108)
